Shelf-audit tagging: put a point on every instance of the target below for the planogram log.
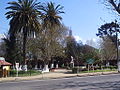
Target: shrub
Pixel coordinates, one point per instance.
(110, 67)
(78, 69)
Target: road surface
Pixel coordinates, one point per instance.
(102, 82)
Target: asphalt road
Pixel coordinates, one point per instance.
(103, 82)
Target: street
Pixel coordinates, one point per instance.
(102, 82)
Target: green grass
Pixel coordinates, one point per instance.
(105, 70)
(13, 73)
(85, 70)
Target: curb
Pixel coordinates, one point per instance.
(46, 78)
(97, 74)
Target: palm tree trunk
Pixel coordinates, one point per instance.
(11, 51)
(24, 46)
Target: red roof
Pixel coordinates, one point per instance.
(4, 63)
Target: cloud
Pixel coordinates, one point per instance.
(93, 42)
(77, 38)
(2, 36)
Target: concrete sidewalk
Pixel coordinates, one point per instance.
(54, 75)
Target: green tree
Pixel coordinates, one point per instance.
(12, 52)
(73, 48)
(24, 18)
(108, 50)
(89, 52)
(52, 29)
(108, 30)
(50, 16)
(109, 34)
(115, 5)
(42, 47)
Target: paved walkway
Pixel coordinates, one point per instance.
(53, 75)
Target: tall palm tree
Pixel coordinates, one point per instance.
(50, 15)
(24, 18)
(51, 22)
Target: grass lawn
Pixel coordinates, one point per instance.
(105, 70)
(13, 73)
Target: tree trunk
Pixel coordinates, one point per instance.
(24, 46)
(46, 69)
(57, 65)
(52, 65)
(118, 64)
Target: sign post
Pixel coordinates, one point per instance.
(89, 62)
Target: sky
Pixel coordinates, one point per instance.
(83, 17)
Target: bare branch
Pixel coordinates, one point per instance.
(115, 5)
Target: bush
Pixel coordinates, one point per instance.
(75, 70)
(110, 67)
(78, 69)
(13, 72)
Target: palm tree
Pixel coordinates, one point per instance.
(51, 22)
(24, 18)
(50, 15)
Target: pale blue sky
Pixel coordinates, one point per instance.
(82, 16)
